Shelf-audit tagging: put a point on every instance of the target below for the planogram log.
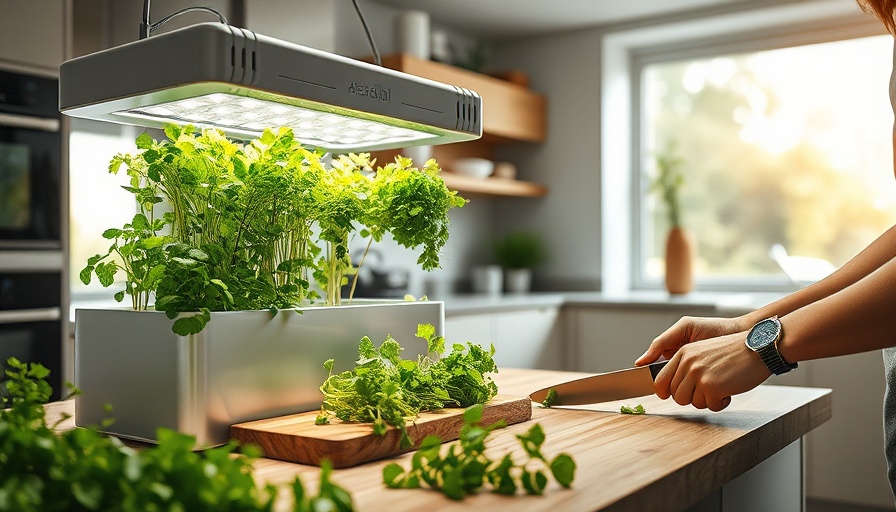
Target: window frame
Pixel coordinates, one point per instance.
(625, 54)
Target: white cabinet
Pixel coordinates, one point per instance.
(524, 338)
(604, 339)
(33, 33)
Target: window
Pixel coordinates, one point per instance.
(96, 200)
(788, 146)
(782, 119)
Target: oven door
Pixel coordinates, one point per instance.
(31, 322)
(30, 182)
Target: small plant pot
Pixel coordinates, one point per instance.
(518, 280)
(488, 279)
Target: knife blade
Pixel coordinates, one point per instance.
(604, 387)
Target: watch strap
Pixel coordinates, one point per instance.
(773, 360)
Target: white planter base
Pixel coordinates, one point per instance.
(244, 365)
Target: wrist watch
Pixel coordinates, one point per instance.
(763, 339)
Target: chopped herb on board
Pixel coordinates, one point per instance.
(385, 389)
(638, 409)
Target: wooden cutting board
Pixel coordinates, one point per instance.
(295, 438)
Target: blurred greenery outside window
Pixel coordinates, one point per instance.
(787, 146)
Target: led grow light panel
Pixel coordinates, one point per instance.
(218, 75)
(249, 115)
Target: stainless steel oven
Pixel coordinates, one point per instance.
(30, 162)
(31, 321)
(33, 273)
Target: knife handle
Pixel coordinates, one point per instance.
(656, 367)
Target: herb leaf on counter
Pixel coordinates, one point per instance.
(384, 389)
(465, 469)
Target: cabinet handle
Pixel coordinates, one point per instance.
(28, 122)
(19, 316)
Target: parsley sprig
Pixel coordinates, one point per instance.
(82, 469)
(465, 469)
(384, 389)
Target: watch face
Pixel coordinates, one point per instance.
(763, 333)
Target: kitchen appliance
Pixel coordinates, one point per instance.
(32, 316)
(30, 162)
(218, 75)
(604, 387)
(31, 321)
(376, 281)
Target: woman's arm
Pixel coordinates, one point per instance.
(690, 329)
(859, 318)
(870, 259)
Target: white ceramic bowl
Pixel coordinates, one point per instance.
(476, 167)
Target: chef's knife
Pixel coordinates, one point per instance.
(604, 387)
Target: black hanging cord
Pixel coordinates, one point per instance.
(144, 24)
(376, 52)
(147, 28)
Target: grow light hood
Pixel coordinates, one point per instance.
(216, 75)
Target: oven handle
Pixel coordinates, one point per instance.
(33, 123)
(18, 316)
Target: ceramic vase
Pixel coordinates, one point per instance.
(680, 248)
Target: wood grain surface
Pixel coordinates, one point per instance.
(295, 438)
(665, 460)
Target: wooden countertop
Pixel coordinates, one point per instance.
(667, 459)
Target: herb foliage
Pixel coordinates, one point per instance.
(223, 226)
(465, 469)
(82, 469)
(550, 399)
(638, 409)
(384, 389)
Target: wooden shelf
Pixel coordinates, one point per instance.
(493, 186)
(511, 112)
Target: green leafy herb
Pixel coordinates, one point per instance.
(465, 469)
(385, 390)
(668, 181)
(550, 399)
(638, 409)
(82, 469)
(519, 250)
(249, 226)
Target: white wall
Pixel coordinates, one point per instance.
(566, 68)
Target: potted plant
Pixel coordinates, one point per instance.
(518, 253)
(234, 264)
(679, 250)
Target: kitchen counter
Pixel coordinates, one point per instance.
(668, 459)
(724, 304)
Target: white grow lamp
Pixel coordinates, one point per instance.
(217, 75)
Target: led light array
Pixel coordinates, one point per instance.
(310, 126)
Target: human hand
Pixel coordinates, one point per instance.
(709, 373)
(687, 330)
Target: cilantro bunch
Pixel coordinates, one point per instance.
(384, 389)
(82, 469)
(465, 469)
